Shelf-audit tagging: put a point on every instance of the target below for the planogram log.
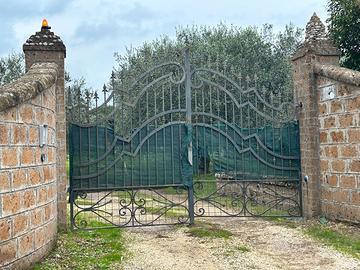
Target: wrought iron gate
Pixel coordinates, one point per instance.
(181, 142)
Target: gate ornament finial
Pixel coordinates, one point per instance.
(45, 25)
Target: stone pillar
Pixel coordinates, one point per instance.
(45, 46)
(317, 48)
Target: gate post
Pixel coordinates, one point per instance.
(45, 46)
(317, 48)
(189, 130)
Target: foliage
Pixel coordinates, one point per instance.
(349, 244)
(344, 27)
(229, 49)
(249, 56)
(79, 97)
(96, 249)
(11, 67)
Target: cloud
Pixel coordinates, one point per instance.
(120, 24)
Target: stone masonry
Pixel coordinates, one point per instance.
(339, 142)
(45, 46)
(28, 191)
(32, 177)
(329, 99)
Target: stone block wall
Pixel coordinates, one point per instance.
(328, 98)
(28, 173)
(44, 46)
(339, 136)
(316, 48)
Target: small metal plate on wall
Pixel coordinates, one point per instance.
(328, 92)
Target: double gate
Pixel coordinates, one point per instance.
(181, 142)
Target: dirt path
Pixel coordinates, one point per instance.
(270, 246)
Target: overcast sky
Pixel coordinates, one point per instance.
(93, 30)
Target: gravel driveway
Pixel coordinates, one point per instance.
(268, 246)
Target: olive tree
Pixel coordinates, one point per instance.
(247, 55)
(11, 67)
(344, 27)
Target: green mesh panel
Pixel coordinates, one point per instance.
(100, 160)
(247, 153)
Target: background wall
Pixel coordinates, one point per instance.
(328, 100)
(339, 120)
(28, 188)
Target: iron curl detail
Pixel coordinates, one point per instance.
(130, 207)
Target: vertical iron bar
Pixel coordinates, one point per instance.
(72, 200)
(123, 134)
(266, 145)
(241, 110)
(226, 132)
(140, 155)
(289, 145)
(71, 162)
(273, 132)
(80, 154)
(188, 122)
(149, 176)
(131, 145)
(172, 136)
(156, 159)
(105, 134)
(163, 132)
(234, 136)
(147, 133)
(114, 129)
(79, 105)
(211, 122)
(97, 138)
(257, 128)
(204, 121)
(89, 158)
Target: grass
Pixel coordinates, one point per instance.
(232, 250)
(68, 167)
(340, 240)
(84, 202)
(120, 194)
(242, 248)
(209, 233)
(174, 191)
(289, 223)
(173, 212)
(95, 249)
(204, 230)
(205, 177)
(208, 187)
(343, 242)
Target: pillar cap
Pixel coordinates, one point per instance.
(317, 40)
(315, 30)
(44, 40)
